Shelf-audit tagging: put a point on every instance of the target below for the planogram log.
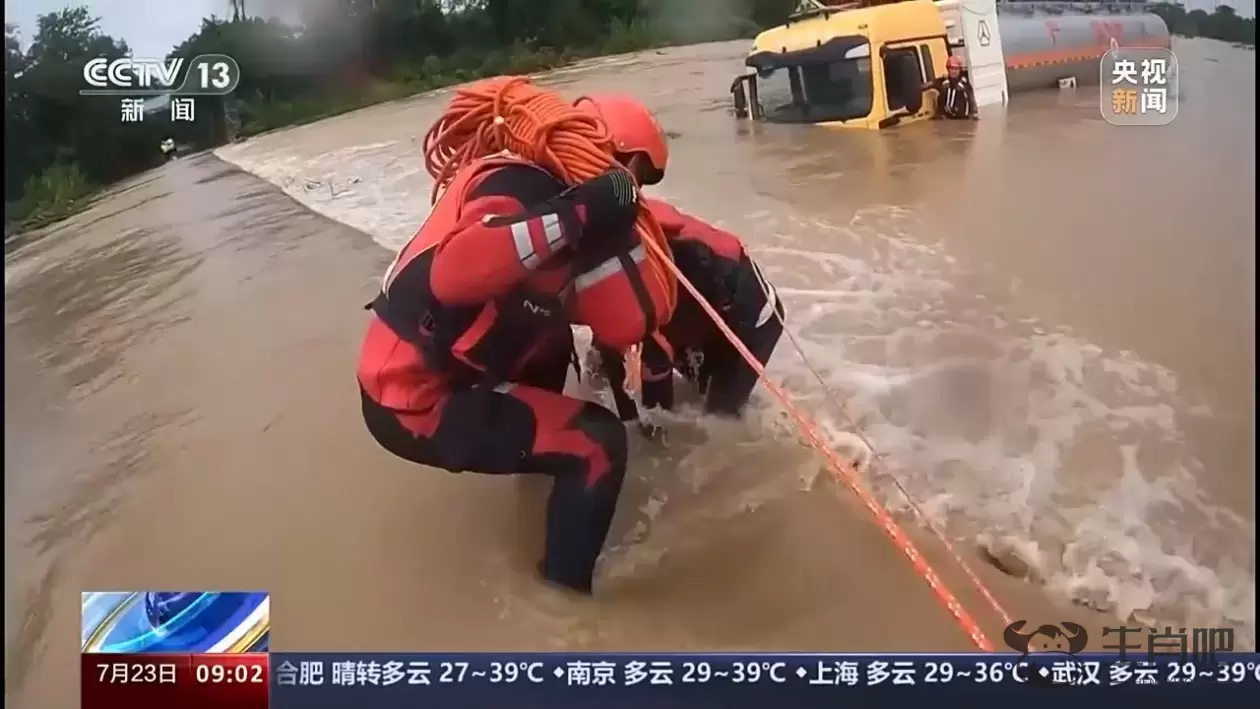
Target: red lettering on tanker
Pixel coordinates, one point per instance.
(1052, 27)
(1107, 30)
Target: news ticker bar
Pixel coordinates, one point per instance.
(625, 681)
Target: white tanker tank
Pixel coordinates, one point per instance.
(1042, 48)
(1040, 45)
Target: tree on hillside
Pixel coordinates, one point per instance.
(1222, 23)
(58, 142)
(331, 55)
(64, 126)
(18, 141)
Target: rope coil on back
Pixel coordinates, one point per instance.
(511, 114)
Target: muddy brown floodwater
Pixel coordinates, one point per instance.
(1045, 323)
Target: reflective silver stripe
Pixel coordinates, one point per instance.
(551, 227)
(606, 269)
(772, 296)
(504, 388)
(525, 245)
(768, 310)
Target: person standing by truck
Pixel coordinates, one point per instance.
(955, 98)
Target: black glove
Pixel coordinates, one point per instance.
(613, 367)
(652, 432)
(610, 201)
(657, 379)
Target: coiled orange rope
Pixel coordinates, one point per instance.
(510, 114)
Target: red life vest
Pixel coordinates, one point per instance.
(603, 291)
(416, 347)
(680, 227)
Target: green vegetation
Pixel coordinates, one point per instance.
(335, 56)
(339, 55)
(1223, 23)
(52, 194)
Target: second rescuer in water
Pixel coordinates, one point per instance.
(465, 359)
(955, 97)
(716, 262)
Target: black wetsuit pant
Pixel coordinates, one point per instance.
(529, 427)
(720, 372)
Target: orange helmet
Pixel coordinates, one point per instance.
(634, 129)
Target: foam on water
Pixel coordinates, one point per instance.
(999, 426)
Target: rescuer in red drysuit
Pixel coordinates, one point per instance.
(713, 260)
(466, 357)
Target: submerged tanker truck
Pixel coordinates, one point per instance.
(863, 63)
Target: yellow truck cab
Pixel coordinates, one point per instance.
(863, 63)
(855, 64)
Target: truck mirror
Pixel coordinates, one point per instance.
(740, 98)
